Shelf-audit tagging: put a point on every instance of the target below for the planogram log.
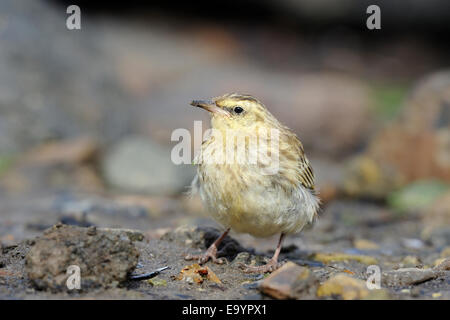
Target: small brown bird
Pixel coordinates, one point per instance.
(244, 195)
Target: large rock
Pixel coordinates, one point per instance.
(416, 146)
(410, 276)
(140, 165)
(104, 258)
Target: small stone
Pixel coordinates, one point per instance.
(415, 292)
(327, 258)
(406, 291)
(92, 231)
(291, 281)
(157, 282)
(346, 287)
(251, 284)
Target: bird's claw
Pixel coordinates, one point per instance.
(210, 254)
(270, 266)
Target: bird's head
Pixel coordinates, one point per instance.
(236, 111)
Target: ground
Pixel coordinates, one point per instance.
(367, 233)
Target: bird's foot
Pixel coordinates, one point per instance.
(270, 266)
(211, 253)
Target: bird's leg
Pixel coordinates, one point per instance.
(211, 252)
(270, 266)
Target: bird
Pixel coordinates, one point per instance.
(249, 196)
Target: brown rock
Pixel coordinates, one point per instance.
(104, 258)
(291, 281)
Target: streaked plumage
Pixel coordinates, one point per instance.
(241, 196)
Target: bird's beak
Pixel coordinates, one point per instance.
(210, 106)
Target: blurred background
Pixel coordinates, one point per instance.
(86, 115)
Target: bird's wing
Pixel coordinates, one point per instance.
(306, 172)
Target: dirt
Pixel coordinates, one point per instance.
(394, 242)
(103, 258)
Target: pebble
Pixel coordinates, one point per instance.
(291, 281)
(344, 286)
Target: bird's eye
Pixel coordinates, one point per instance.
(238, 110)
